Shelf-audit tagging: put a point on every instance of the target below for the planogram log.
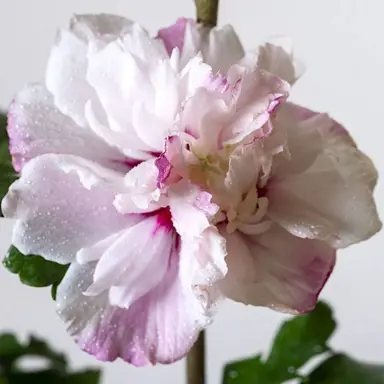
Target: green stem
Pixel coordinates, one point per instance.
(207, 11)
(196, 362)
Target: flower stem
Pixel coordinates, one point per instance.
(207, 11)
(196, 361)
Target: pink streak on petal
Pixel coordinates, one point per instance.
(203, 202)
(158, 328)
(315, 274)
(164, 167)
(164, 220)
(173, 36)
(217, 82)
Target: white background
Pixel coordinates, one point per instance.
(341, 42)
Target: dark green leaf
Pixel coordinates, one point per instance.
(51, 376)
(86, 377)
(341, 369)
(11, 350)
(34, 270)
(10, 373)
(7, 173)
(54, 290)
(3, 125)
(249, 371)
(298, 340)
(9, 345)
(37, 347)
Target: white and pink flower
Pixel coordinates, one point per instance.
(171, 172)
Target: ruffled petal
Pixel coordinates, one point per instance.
(140, 98)
(36, 127)
(219, 46)
(112, 72)
(191, 209)
(332, 199)
(276, 56)
(276, 270)
(258, 93)
(160, 327)
(67, 65)
(62, 204)
(141, 192)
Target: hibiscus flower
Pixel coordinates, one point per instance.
(171, 172)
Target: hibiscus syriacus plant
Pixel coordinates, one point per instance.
(170, 172)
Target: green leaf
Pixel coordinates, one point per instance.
(50, 376)
(3, 126)
(86, 377)
(11, 350)
(340, 369)
(38, 347)
(298, 340)
(34, 270)
(248, 371)
(9, 345)
(54, 290)
(7, 173)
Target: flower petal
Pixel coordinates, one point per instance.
(66, 71)
(276, 56)
(136, 262)
(141, 193)
(160, 327)
(276, 270)
(137, 96)
(190, 217)
(62, 204)
(298, 126)
(332, 199)
(173, 36)
(211, 266)
(258, 95)
(220, 46)
(36, 126)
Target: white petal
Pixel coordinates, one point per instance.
(222, 49)
(277, 56)
(36, 127)
(211, 266)
(61, 204)
(332, 198)
(67, 65)
(102, 26)
(141, 193)
(189, 219)
(276, 270)
(129, 97)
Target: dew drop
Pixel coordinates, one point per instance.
(291, 370)
(233, 374)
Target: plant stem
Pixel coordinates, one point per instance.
(196, 361)
(207, 11)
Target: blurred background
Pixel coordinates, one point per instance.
(341, 43)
